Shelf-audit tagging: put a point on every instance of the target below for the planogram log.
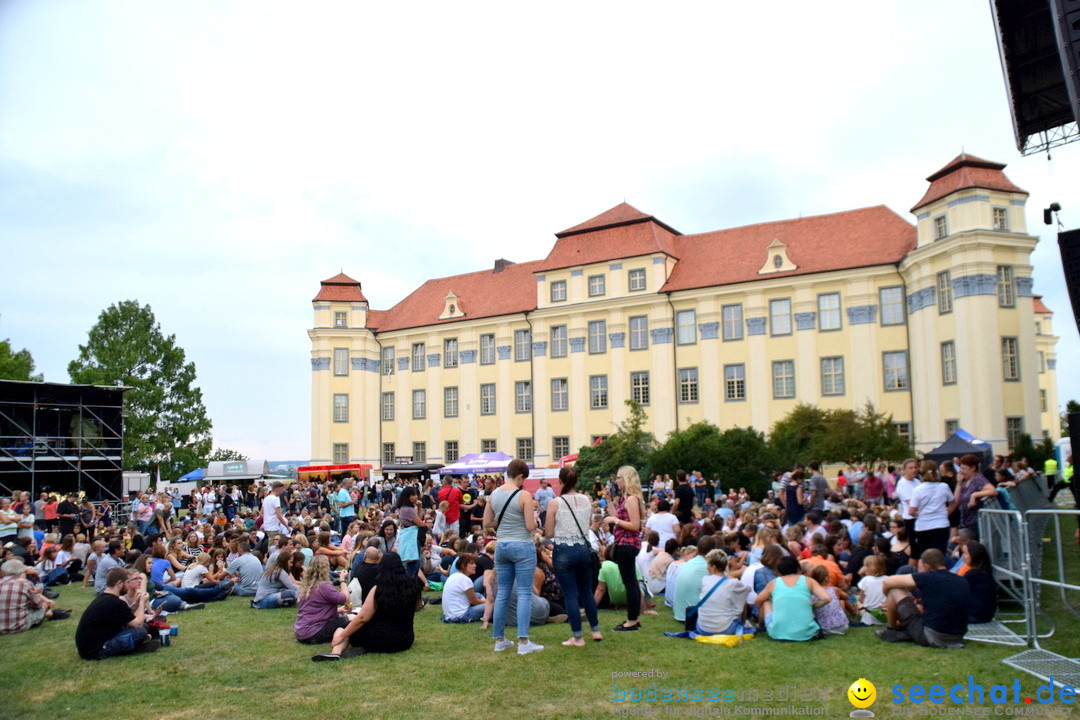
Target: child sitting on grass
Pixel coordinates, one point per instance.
(831, 617)
(871, 603)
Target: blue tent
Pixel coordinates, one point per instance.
(193, 476)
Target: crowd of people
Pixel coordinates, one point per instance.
(896, 547)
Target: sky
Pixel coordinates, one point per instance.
(216, 160)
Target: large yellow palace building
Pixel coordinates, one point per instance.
(935, 324)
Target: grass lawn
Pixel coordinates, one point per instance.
(230, 661)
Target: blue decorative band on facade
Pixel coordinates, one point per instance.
(403, 363)
(805, 321)
(922, 216)
(433, 360)
(658, 261)
(321, 306)
(577, 273)
(320, 363)
(359, 308)
(615, 266)
(1023, 286)
(709, 331)
(862, 314)
(661, 335)
(974, 285)
(1019, 203)
(973, 198)
(467, 356)
(617, 340)
(539, 349)
(921, 298)
(365, 364)
(540, 278)
(577, 344)
(756, 326)
(504, 352)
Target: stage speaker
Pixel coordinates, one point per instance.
(1067, 29)
(1074, 425)
(1069, 243)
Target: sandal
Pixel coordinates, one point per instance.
(325, 657)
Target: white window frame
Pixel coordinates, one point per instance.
(598, 392)
(780, 317)
(522, 345)
(948, 362)
(783, 379)
(639, 387)
(419, 356)
(941, 227)
(451, 451)
(488, 398)
(893, 311)
(560, 446)
(419, 451)
(560, 394)
(686, 327)
(1006, 288)
(341, 362)
(639, 332)
(832, 376)
(896, 374)
(558, 291)
(1000, 216)
(559, 342)
(636, 281)
(341, 453)
(419, 404)
(389, 452)
(525, 449)
(732, 322)
(341, 407)
(597, 337)
(1010, 359)
(523, 396)
(944, 292)
(735, 382)
(688, 386)
(597, 285)
(487, 349)
(451, 406)
(829, 318)
(388, 406)
(388, 354)
(489, 445)
(450, 353)
(341, 318)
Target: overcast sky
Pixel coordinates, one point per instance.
(216, 160)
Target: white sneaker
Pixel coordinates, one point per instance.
(529, 647)
(503, 644)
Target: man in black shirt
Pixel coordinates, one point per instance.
(942, 619)
(684, 498)
(108, 627)
(67, 512)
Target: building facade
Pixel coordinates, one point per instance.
(935, 324)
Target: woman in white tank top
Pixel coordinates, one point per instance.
(567, 523)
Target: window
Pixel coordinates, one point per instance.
(639, 387)
(523, 396)
(951, 426)
(387, 361)
(780, 317)
(639, 332)
(341, 361)
(522, 345)
(341, 319)
(525, 449)
(560, 446)
(341, 408)
(449, 353)
(419, 404)
(418, 356)
(1042, 401)
(560, 394)
(597, 439)
(598, 392)
(341, 453)
(686, 327)
(487, 399)
(1042, 361)
(948, 362)
(941, 227)
(944, 292)
(635, 280)
(1014, 428)
(892, 305)
(783, 379)
(597, 337)
(1001, 218)
(450, 451)
(896, 370)
(558, 291)
(489, 445)
(450, 401)
(388, 406)
(1010, 359)
(487, 349)
(732, 316)
(419, 452)
(558, 341)
(597, 285)
(1038, 328)
(832, 376)
(735, 382)
(389, 453)
(828, 305)
(1005, 289)
(688, 385)
(903, 429)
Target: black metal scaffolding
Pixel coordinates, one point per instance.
(61, 438)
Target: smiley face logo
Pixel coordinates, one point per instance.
(862, 693)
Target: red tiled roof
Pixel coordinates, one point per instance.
(621, 232)
(851, 239)
(340, 288)
(1040, 307)
(480, 294)
(963, 172)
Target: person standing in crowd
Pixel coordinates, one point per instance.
(930, 505)
(971, 489)
(905, 487)
(626, 524)
(565, 524)
(273, 519)
(510, 514)
(819, 489)
(543, 497)
(346, 508)
(67, 514)
(683, 507)
(452, 496)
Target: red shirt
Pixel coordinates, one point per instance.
(452, 495)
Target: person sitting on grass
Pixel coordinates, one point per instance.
(245, 570)
(980, 578)
(831, 617)
(942, 620)
(161, 595)
(688, 585)
(195, 578)
(460, 601)
(723, 596)
(109, 627)
(276, 587)
(385, 622)
(787, 603)
(111, 561)
(871, 603)
(22, 606)
(317, 615)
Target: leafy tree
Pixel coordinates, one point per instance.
(740, 457)
(1036, 454)
(1070, 407)
(225, 454)
(799, 436)
(165, 420)
(16, 365)
(630, 444)
(810, 433)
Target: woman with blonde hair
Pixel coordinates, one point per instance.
(626, 523)
(317, 616)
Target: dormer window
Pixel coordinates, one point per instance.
(451, 307)
(776, 259)
(941, 227)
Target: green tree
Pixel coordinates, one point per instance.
(798, 437)
(1036, 454)
(16, 365)
(165, 419)
(631, 444)
(1070, 407)
(809, 433)
(225, 454)
(740, 457)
